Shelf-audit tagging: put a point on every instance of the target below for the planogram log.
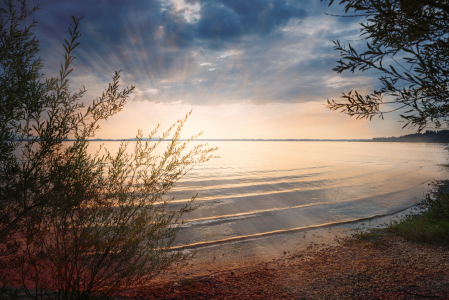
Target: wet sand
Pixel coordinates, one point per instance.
(249, 252)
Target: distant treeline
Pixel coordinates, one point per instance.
(430, 136)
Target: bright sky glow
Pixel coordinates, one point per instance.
(248, 69)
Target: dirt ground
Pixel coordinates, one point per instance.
(381, 266)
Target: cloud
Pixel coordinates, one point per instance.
(234, 18)
(218, 22)
(204, 52)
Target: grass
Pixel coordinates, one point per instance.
(367, 237)
(426, 227)
(431, 223)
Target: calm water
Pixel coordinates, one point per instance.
(258, 188)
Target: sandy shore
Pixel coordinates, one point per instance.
(250, 252)
(381, 267)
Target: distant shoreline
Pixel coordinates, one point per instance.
(238, 140)
(375, 140)
(441, 136)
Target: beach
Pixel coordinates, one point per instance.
(275, 224)
(382, 266)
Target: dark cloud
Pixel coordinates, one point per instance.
(218, 22)
(231, 18)
(218, 19)
(205, 52)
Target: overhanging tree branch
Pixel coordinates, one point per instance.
(413, 35)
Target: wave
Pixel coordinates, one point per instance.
(281, 231)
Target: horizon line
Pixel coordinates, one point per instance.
(229, 139)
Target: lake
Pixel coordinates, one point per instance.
(261, 188)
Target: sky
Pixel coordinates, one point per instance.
(257, 69)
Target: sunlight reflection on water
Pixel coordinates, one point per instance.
(261, 187)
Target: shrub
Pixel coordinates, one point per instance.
(431, 223)
(121, 238)
(73, 225)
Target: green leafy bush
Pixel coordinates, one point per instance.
(75, 225)
(431, 224)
